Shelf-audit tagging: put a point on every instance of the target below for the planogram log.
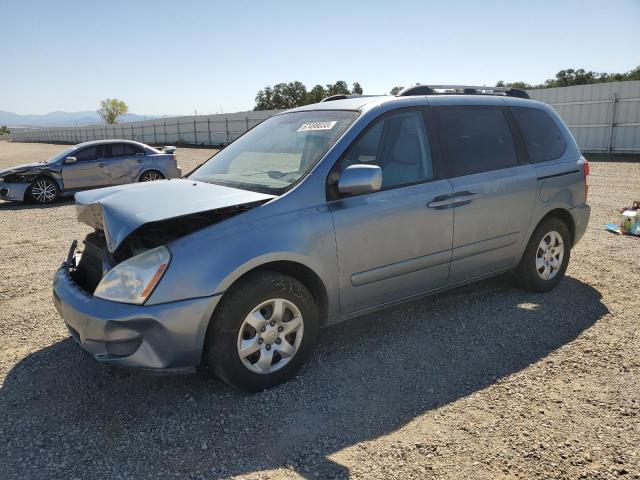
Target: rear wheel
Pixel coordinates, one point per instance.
(150, 176)
(262, 332)
(44, 190)
(546, 257)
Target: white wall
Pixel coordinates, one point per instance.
(195, 130)
(603, 117)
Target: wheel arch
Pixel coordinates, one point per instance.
(58, 182)
(565, 216)
(300, 272)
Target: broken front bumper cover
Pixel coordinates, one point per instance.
(13, 191)
(160, 337)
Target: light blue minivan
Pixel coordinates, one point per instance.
(317, 215)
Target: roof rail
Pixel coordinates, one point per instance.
(343, 97)
(461, 90)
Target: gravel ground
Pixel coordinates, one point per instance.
(485, 381)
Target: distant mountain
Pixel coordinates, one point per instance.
(63, 119)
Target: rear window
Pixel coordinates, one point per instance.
(475, 139)
(542, 137)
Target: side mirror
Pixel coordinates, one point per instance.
(70, 160)
(357, 179)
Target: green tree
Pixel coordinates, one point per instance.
(316, 94)
(396, 90)
(295, 94)
(111, 109)
(570, 77)
(4, 130)
(338, 88)
(281, 96)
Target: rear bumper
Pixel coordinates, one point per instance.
(13, 191)
(580, 215)
(174, 173)
(159, 337)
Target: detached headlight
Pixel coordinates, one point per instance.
(133, 280)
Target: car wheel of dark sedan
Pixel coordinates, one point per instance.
(150, 176)
(262, 332)
(44, 190)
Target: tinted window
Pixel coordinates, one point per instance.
(542, 137)
(90, 153)
(124, 149)
(131, 149)
(475, 139)
(397, 143)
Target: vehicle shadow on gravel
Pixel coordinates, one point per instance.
(61, 202)
(63, 414)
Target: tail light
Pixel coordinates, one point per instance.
(173, 157)
(585, 173)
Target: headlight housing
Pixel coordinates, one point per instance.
(133, 280)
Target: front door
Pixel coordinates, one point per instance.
(89, 170)
(493, 189)
(394, 243)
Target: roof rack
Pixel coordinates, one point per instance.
(461, 90)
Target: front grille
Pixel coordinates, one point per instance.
(90, 269)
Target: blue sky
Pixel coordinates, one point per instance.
(171, 57)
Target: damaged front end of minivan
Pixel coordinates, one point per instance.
(102, 288)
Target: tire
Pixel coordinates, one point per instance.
(150, 176)
(44, 190)
(231, 329)
(535, 265)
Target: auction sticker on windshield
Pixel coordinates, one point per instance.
(309, 127)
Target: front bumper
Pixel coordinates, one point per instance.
(161, 337)
(13, 191)
(580, 215)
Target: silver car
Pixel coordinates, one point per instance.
(88, 165)
(320, 214)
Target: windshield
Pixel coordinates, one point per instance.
(60, 155)
(277, 153)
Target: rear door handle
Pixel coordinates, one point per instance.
(440, 202)
(101, 165)
(139, 160)
(463, 198)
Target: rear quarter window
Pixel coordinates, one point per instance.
(543, 138)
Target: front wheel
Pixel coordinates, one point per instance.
(262, 332)
(44, 190)
(546, 257)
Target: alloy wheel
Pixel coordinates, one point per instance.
(150, 176)
(43, 191)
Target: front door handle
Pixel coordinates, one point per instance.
(101, 165)
(140, 160)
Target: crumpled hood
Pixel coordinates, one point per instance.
(24, 168)
(120, 210)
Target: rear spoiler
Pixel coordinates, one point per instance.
(168, 149)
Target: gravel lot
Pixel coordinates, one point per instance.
(485, 382)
